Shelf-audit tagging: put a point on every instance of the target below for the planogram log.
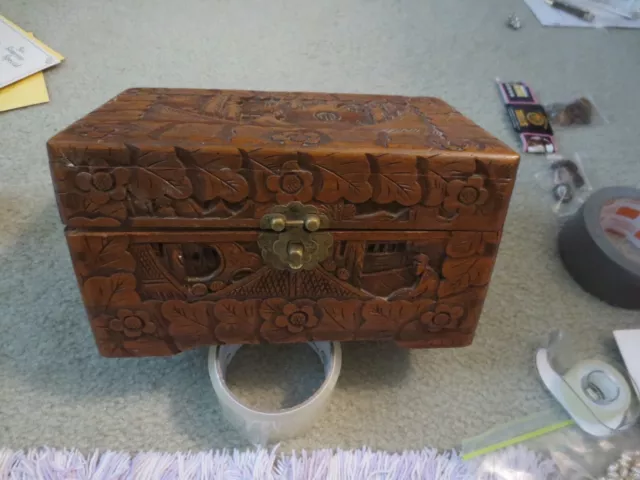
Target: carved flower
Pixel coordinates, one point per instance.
(291, 184)
(466, 196)
(445, 317)
(296, 317)
(131, 324)
(102, 185)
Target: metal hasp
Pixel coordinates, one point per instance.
(292, 240)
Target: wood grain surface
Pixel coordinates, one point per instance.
(162, 192)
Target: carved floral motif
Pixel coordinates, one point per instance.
(444, 317)
(292, 184)
(297, 316)
(103, 185)
(147, 299)
(436, 302)
(194, 184)
(466, 196)
(132, 324)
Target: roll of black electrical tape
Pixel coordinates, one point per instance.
(600, 246)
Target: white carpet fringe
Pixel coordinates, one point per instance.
(515, 463)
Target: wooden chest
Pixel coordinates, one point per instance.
(198, 217)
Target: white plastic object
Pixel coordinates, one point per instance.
(592, 392)
(265, 427)
(628, 343)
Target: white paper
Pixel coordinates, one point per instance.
(629, 346)
(20, 56)
(552, 17)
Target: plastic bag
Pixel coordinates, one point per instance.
(559, 450)
(575, 112)
(566, 182)
(580, 456)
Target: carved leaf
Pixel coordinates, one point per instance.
(260, 170)
(92, 253)
(237, 320)
(271, 308)
(338, 211)
(158, 174)
(346, 178)
(77, 205)
(460, 273)
(225, 184)
(456, 267)
(113, 209)
(215, 176)
(382, 318)
(436, 190)
(345, 313)
(414, 330)
(187, 208)
(395, 181)
(480, 273)
(464, 244)
(118, 290)
(188, 322)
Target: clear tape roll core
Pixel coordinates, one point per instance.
(265, 427)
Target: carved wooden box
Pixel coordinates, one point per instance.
(197, 217)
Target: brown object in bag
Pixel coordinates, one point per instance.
(578, 112)
(199, 217)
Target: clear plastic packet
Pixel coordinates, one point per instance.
(577, 111)
(566, 183)
(580, 456)
(549, 446)
(555, 445)
(531, 431)
(598, 395)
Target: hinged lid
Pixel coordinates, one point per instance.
(174, 158)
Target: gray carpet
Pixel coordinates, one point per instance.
(56, 390)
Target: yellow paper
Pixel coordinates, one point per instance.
(28, 91)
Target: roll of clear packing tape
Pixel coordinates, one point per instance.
(266, 427)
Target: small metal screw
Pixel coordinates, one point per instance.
(513, 22)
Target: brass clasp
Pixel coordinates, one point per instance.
(293, 241)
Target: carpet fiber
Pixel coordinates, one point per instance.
(54, 388)
(261, 464)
